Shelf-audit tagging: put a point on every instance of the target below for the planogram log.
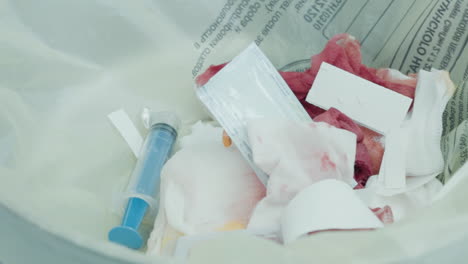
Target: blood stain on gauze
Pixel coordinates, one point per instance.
(396, 77)
(363, 164)
(373, 142)
(385, 214)
(326, 164)
(209, 187)
(296, 155)
(313, 153)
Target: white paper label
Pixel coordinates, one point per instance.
(393, 168)
(369, 104)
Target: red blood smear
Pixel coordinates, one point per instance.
(203, 78)
(375, 148)
(385, 214)
(326, 163)
(362, 165)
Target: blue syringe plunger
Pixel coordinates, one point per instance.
(127, 234)
(144, 182)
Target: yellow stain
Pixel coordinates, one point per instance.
(229, 226)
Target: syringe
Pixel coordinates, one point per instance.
(145, 179)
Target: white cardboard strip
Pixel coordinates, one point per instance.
(411, 183)
(127, 130)
(394, 160)
(369, 104)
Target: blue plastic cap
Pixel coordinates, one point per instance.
(126, 236)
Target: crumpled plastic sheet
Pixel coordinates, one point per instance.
(296, 155)
(207, 187)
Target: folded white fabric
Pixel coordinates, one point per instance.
(296, 155)
(424, 156)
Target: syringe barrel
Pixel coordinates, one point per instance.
(156, 149)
